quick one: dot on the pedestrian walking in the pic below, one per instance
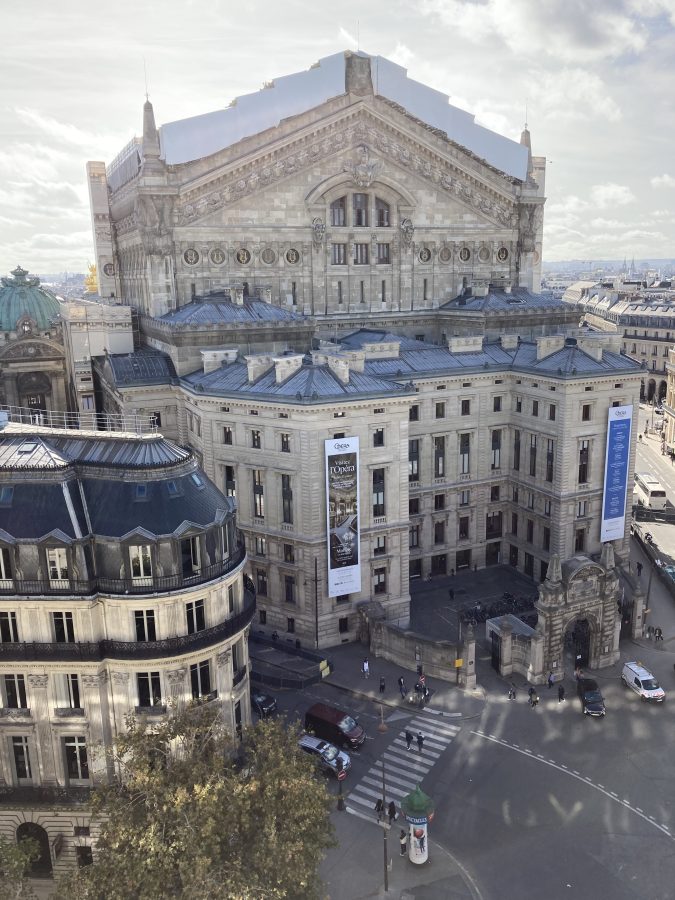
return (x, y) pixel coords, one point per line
(550, 680)
(365, 668)
(403, 842)
(535, 699)
(379, 808)
(391, 812)
(401, 687)
(561, 693)
(420, 741)
(451, 594)
(408, 738)
(638, 566)
(382, 684)
(658, 634)
(512, 691)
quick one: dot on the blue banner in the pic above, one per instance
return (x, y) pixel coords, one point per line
(617, 461)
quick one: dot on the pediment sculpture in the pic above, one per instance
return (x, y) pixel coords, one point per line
(365, 170)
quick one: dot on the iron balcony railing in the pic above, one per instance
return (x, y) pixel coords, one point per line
(95, 651)
(26, 795)
(102, 585)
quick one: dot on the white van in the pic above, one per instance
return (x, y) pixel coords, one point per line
(642, 682)
(649, 491)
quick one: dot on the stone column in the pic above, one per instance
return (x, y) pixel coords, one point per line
(98, 730)
(638, 622)
(535, 672)
(224, 687)
(39, 707)
(468, 676)
(506, 650)
(120, 700)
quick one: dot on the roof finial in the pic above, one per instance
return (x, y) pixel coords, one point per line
(526, 114)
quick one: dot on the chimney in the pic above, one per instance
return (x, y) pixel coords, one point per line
(285, 366)
(237, 294)
(509, 341)
(213, 359)
(466, 343)
(549, 344)
(339, 367)
(257, 364)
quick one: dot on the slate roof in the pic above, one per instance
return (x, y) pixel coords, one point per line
(59, 451)
(144, 366)
(222, 311)
(500, 301)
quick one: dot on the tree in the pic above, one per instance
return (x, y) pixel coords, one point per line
(189, 818)
(15, 860)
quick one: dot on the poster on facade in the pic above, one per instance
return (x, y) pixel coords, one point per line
(342, 515)
(617, 459)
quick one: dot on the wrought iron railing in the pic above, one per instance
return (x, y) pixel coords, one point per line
(102, 585)
(239, 676)
(26, 795)
(95, 651)
(81, 421)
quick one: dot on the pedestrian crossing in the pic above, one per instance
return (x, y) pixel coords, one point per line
(404, 768)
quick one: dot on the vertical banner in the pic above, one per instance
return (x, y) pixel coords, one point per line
(342, 516)
(617, 458)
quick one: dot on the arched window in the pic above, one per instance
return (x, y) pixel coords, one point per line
(382, 213)
(338, 215)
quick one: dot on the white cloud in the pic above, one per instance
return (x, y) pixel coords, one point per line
(606, 196)
(574, 93)
(660, 181)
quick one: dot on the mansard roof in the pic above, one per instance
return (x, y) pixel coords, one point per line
(143, 366)
(499, 300)
(220, 310)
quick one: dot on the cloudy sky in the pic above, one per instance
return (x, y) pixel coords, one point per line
(598, 78)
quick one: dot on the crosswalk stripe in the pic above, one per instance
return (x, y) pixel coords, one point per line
(406, 757)
(417, 765)
(356, 812)
(441, 730)
(390, 788)
(365, 790)
(431, 744)
(390, 776)
(400, 742)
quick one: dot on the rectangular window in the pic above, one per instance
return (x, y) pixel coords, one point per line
(439, 501)
(535, 407)
(190, 556)
(463, 529)
(546, 540)
(547, 507)
(440, 410)
(583, 462)
(464, 454)
(194, 612)
(343, 625)
(258, 494)
(439, 532)
(382, 212)
(286, 500)
(261, 582)
(378, 437)
(289, 553)
(149, 689)
(383, 256)
(496, 404)
(582, 509)
(380, 546)
(285, 443)
(529, 565)
(493, 525)
(339, 256)
(5, 565)
(519, 404)
(9, 633)
(425, 289)
(379, 581)
(230, 599)
(290, 625)
(516, 450)
(362, 291)
(514, 524)
(414, 536)
(414, 413)
(413, 506)
(57, 565)
(530, 531)
(361, 255)
(289, 589)
(77, 766)
(64, 631)
(144, 619)
(360, 209)
(494, 493)
(339, 291)
(21, 759)
(439, 457)
(378, 493)
(464, 498)
(227, 435)
(580, 540)
(413, 460)
(255, 440)
(515, 493)
(15, 692)
(67, 689)
(200, 679)
(261, 546)
(551, 412)
(533, 454)
(586, 412)
(262, 616)
(338, 215)
(463, 559)
(140, 562)
(549, 460)
(465, 407)
(496, 462)
(230, 484)
(530, 500)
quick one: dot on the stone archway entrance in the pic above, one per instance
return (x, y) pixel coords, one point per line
(41, 867)
(577, 644)
(651, 390)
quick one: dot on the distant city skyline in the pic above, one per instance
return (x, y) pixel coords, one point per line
(595, 79)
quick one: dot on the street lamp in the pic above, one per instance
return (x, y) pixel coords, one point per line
(382, 728)
(341, 774)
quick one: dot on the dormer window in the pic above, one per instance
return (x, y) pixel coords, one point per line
(141, 562)
(57, 565)
(26, 327)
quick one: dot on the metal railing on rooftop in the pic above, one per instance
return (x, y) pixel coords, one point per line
(80, 421)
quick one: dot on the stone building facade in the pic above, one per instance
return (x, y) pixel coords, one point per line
(121, 591)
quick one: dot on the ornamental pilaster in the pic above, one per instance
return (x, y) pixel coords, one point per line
(38, 700)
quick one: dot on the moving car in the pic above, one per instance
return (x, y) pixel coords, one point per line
(326, 755)
(592, 703)
(641, 680)
(264, 704)
(333, 724)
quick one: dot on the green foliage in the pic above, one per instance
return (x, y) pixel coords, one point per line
(15, 860)
(188, 820)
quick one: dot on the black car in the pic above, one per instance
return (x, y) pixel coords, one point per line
(263, 704)
(592, 703)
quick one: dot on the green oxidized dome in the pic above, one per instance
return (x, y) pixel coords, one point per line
(22, 299)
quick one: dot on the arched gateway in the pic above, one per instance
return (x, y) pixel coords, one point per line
(579, 619)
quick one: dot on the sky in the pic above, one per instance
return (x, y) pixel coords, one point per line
(596, 77)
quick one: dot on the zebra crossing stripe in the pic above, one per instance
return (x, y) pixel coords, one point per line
(399, 742)
(417, 765)
(391, 789)
(409, 783)
(438, 728)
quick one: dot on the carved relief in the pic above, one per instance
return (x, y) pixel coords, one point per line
(120, 677)
(38, 681)
(91, 681)
(176, 676)
(223, 658)
(318, 232)
(365, 170)
(407, 230)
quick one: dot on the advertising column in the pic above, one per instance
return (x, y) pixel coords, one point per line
(617, 458)
(342, 516)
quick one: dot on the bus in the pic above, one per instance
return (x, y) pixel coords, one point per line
(649, 491)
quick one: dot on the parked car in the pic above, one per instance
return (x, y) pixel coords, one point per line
(642, 682)
(658, 411)
(264, 704)
(333, 724)
(326, 755)
(592, 703)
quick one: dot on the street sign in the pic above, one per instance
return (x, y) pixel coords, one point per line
(459, 663)
(341, 775)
